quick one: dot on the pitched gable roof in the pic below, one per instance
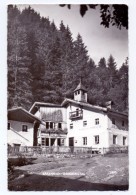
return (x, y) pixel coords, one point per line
(20, 114)
(80, 87)
(36, 105)
(84, 104)
(94, 107)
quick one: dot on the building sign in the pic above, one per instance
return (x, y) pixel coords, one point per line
(53, 135)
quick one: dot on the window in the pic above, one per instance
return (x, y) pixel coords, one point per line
(59, 125)
(77, 112)
(113, 121)
(123, 123)
(62, 142)
(43, 141)
(24, 128)
(51, 125)
(97, 121)
(71, 126)
(8, 126)
(78, 91)
(47, 125)
(114, 139)
(47, 141)
(84, 140)
(96, 139)
(84, 123)
(43, 131)
(124, 141)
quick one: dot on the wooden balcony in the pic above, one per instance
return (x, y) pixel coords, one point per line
(114, 127)
(54, 131)
(78, 114)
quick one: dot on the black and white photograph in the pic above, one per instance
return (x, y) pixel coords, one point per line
(67, 97)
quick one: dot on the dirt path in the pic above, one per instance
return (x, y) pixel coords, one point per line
(100, 173)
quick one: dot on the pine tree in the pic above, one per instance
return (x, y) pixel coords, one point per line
(91, 65)
(46, 64)
(123, 71)
(119, 93)
(102, 63)
(67, 59)
(31, 20)
(19, 76)
(81, 59)
(89, 73)
(112, 71)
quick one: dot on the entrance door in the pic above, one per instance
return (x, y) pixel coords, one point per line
(71, 141)
(47, 142)
(16, 148)
(52, 141)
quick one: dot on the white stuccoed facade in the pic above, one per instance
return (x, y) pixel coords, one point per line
(118, 130)
(73, 123)
(105, 129)
(94, 134)
(90, 130)
(22, 127)
(17, 136)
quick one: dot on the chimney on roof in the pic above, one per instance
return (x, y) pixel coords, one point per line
(109, 104)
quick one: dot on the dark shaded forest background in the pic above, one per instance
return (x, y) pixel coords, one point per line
(46, 64)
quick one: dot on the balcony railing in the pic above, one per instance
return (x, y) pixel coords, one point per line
(54, 130)
(76, 115)
(118, 128)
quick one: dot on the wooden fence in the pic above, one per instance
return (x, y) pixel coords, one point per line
(40, 150)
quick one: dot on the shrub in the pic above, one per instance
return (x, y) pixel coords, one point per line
(10, 167)
(22, 160)
(19, 161)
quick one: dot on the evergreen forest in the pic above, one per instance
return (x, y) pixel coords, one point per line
(45, 64)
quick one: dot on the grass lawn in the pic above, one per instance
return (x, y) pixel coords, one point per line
(76, 173)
